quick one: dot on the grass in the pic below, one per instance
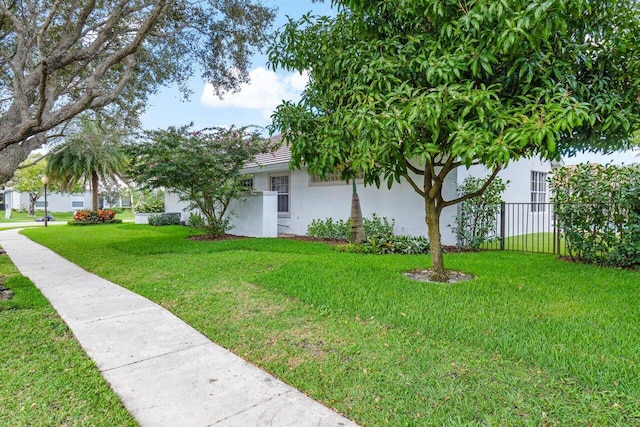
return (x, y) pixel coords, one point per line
(17, 216)
(543, 242)
(45, 377)
(530, 341)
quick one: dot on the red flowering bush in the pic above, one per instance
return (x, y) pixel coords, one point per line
(106, 214)
(81, 216)
(101, 215)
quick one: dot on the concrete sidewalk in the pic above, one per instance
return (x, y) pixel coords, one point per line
(165, 372)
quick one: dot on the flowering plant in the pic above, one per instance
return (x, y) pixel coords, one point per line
(93, 216)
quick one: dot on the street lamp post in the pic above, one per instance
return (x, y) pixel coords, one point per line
(45, 181)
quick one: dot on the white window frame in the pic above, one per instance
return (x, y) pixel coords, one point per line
(282, 214)
(538, 191)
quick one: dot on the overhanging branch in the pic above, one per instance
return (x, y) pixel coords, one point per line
(475, 193)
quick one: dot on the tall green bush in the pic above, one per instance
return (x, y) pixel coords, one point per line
(598, 210)
(476, 220)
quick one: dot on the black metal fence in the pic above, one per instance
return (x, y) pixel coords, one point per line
(526, 227)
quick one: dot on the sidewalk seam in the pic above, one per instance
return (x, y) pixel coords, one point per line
(157, 356)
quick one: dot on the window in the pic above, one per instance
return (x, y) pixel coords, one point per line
(125, 202)
(247, 184)
(280, 183)
(538, 191)
(77, 204)
(40, 204)
(331, 179)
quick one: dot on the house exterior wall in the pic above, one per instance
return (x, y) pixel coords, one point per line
(309, 201)
(57, 202)
(521, 219)
(255, 215)
(518, 173)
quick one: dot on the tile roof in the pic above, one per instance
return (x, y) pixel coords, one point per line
(281, 155)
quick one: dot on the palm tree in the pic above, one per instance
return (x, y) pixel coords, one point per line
(89, 155)
(357, 234)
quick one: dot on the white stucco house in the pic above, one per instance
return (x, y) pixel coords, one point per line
(286, 201)
(56, 202)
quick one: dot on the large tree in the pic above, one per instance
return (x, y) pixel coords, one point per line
(203, 167)
(59, 59)
(413, 90)
(90, 155)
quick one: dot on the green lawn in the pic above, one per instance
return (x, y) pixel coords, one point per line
(531, 341)
(45, 377)
(17, 216)
(533, 242)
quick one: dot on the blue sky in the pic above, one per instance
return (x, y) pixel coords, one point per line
(256, 101)
(253, 105)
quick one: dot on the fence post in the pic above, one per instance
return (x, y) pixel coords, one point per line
(502, 224)
(556, 235)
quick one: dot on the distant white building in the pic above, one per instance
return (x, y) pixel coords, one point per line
(56, 202)
(285, 201)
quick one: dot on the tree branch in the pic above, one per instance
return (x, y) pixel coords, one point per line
(475, 193)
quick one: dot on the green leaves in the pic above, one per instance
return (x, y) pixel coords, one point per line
(598, 209)
(203, 167)
(447, 84)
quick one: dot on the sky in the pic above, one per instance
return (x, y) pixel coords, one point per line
(255, 102)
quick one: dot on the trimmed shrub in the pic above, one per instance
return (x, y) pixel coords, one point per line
(94, 217)
(164, 219)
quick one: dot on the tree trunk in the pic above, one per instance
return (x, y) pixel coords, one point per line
(357, 224)
(94, 190)
(32, 205)
(432, 219)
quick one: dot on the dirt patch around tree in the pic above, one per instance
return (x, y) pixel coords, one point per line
(5, 293)
(430, 276)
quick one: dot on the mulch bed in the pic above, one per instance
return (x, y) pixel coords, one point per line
(209, 237)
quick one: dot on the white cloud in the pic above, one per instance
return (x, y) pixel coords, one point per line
(264, 92)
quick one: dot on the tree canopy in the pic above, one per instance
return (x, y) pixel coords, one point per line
(413, 90)
(202, 167)
(59, 59)
(28, 179)
(89, 155)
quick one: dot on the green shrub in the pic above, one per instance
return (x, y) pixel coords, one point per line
(476, 221)
(215, 227)
(329, 229)
(151, 206)
(378, 226)
(339, 230)
(390, 244)
(164, 219)
(598, 210)
(196, 221)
